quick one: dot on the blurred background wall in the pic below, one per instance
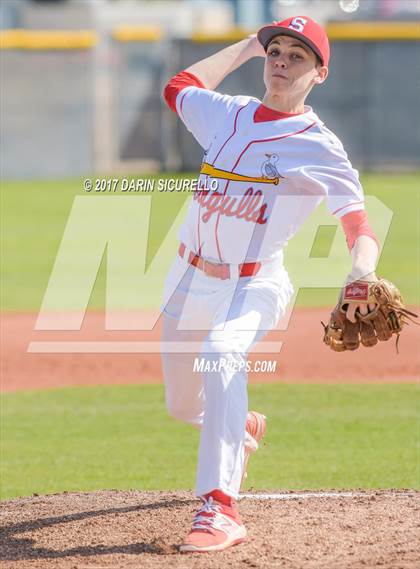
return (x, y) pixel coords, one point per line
(81, 80)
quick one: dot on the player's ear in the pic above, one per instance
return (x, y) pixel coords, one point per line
(322, 74)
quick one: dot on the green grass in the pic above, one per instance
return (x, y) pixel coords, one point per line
(35, 215)
(319, 436)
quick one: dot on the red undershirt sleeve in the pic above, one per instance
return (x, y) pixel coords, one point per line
(354, 224)
(176, 84)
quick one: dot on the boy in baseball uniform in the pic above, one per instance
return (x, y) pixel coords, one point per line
(267, 165)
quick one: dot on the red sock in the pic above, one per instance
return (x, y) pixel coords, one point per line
(221, 497)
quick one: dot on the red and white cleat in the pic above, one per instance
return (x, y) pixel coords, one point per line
(254, 432)
(215, 527)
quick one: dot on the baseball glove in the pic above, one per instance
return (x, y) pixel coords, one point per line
(387, 318)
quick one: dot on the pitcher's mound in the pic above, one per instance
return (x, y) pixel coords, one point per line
(121, 529)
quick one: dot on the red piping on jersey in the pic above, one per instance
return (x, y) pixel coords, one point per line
(181, 104)
(176, 84)
(348, 205)
(237, 162)
(198, 224)
(217, 155)
(354, 225)
(233, 133)
(217, 225)
(271, 140)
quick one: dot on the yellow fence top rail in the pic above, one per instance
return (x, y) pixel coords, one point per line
(337, 31)
(374, 31)
(87, 39)
(235, 34)
(48, 39)
(137, 33)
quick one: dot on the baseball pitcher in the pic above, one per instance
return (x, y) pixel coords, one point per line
(269, 164)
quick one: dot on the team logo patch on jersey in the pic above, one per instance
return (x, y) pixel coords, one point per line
(269, 169)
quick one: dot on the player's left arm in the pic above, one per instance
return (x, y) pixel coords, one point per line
(369, 309)
(345, 198)
(364, 250)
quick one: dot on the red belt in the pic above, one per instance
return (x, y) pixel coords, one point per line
(218, 270)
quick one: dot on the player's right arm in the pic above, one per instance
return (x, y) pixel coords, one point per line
(190, 93)
(213, 69)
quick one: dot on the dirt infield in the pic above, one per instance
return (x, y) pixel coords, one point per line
(303, 357)
(135, 529)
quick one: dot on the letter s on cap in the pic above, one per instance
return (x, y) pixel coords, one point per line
(298, 24)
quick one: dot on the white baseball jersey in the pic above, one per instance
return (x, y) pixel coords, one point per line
(260, 180)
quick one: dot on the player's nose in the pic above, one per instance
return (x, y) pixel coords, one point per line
(280, 63)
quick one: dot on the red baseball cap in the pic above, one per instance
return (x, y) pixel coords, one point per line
(303, 28)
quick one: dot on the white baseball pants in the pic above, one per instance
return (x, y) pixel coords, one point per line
(219, 321)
